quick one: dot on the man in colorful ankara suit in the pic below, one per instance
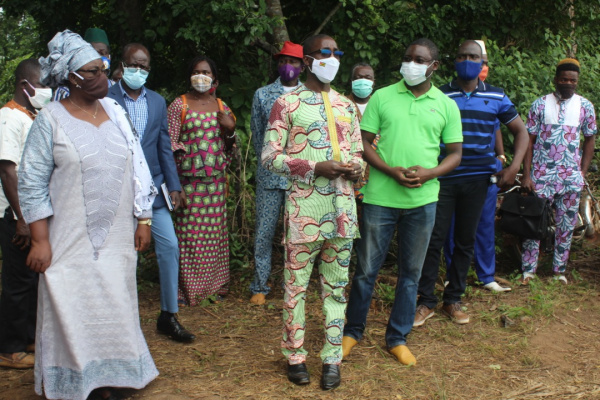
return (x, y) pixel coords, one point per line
(313, 139)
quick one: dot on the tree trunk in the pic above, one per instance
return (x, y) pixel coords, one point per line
(573, 50)
(280, 32)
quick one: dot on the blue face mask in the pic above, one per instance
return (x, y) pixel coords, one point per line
(134, 78)
(467, 70)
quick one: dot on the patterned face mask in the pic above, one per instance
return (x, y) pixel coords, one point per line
(201, 83)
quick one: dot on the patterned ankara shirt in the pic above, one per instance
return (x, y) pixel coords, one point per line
(137, 110)
(297, 138)
(263, 101)
(557, 125)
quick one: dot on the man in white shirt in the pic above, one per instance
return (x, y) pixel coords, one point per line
(19, 284)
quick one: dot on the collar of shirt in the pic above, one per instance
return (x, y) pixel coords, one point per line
(124, 93)
(481, 87)
(278, 86)
(431, 93)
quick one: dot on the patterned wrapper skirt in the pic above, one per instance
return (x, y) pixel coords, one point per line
(203, 240)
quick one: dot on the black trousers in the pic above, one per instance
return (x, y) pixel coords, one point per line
(465, 201)
(18, 301)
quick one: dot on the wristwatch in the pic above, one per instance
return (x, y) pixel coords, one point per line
(145, 222)
(502, 158)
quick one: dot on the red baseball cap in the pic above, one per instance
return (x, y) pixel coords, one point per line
(290, 49)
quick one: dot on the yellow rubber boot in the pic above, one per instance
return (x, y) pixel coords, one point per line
(347, 344)
(403, 355)
(258, 299)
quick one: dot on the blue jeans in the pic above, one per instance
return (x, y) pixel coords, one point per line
(377, 230)
(167, 255)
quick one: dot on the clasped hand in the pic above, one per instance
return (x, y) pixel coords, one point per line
(412, 177)
(334, 169)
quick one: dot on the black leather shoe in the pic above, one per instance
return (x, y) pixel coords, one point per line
(331, 376)
(298, 374)
(168, 325)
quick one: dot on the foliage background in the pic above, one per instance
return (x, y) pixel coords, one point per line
(524, 39)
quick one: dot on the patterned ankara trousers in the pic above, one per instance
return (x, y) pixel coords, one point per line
(333, 275)
(566, 206)
(269, 203)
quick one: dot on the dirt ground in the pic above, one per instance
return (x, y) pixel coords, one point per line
(538, 342)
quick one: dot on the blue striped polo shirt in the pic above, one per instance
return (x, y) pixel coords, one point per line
(479, 113)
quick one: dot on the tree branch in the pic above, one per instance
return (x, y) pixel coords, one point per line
(263, 44)
(327, 18)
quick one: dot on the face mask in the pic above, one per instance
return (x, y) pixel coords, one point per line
(467, 70)
(362, 88)
(484, 73)
(41, 97)
(414, 73)
(565, 91)
(325, 69)
(201, 83)
(288, 72)
(96, 87)
(135, 78)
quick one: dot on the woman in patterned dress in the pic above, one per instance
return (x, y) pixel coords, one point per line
(202, 132)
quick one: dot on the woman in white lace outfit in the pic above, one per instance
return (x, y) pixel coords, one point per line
(87, 193)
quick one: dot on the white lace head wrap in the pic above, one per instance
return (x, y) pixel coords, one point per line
(68, 53)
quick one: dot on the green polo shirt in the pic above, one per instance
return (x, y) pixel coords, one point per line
(411, 130)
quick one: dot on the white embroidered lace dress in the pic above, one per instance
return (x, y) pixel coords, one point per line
(88, 330)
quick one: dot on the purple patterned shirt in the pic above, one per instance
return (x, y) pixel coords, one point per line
(558, 125)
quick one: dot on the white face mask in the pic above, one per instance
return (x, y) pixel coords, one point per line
(41, 97)
(325, 69)
(414, 73)
(201, 83)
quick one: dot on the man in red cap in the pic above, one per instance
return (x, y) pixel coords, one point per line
(270, 188)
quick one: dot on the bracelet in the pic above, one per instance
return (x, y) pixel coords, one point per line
(145, 222)
(502, 158)
(232, 136)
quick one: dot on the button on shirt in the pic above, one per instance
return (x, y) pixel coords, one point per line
(137, 110)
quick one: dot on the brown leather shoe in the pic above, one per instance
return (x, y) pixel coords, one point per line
(422, 314)
(455, 312)
(20, 360)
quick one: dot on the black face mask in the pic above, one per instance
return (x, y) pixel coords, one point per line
(96, 87)
(566, 91)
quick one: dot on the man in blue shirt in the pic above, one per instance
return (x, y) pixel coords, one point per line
(148, 112)
(270, 188)
(463, 190)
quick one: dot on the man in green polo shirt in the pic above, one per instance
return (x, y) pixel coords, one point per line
(412, 117)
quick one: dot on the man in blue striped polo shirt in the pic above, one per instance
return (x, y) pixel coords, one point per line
(463, 190)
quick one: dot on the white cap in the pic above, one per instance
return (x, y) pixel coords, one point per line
(480, 43)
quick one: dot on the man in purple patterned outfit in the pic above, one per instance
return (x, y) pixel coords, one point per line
(552, 166)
